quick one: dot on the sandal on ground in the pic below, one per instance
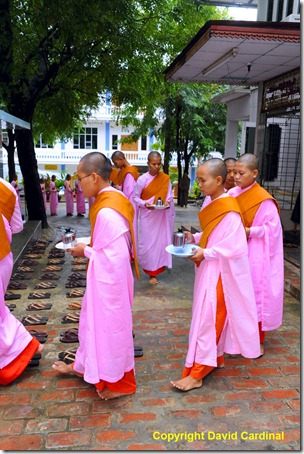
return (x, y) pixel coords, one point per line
(38, 295)
(28, 262)
(55, 261)
(16, 286)
(76, 276)
(53, 268)
(50, 277)
(67, 356)
(138, 353)
(45, 285)
(12, 296)
(22, 277)
(70, 318)
(69, 338)
(76, 305)
(39, 306)
(25, 269)
(33, 363)
(33, 256)
(78, 260)
(75, 293)
(79, 268)
(34, 320)
(11, 306)
(35, 332)
(74, 284)
(138, 347)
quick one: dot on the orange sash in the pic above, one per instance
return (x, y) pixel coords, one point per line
(210, 216)
(250, 201)
(123, 173)
(158, 187)
(113, 175)
(7, 206)
(119, 203)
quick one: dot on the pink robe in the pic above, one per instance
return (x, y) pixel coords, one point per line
(80, 200)
(155, 228)
(69, 197)
(53, 198)
(14, 337)
(127, 188)
(43, 190)
(226, 254)
(266, 258)
(106, 349)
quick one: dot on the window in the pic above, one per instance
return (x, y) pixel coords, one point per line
(41, 144)
(86, 138)
(114, 142)
(144, 142)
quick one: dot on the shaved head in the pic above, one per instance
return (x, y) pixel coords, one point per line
(154, 154)
(96, 162)
(250, 160)
(217, 168)
(229, 160)
(117, 155)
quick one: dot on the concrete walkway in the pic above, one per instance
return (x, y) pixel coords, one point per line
(248, 405)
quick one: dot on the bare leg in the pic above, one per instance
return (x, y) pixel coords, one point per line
(187, 383)
(106, 394)
(40, 348)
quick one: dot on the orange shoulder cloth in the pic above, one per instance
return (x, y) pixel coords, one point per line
(7, 201)
(250, 201)
(123, 173)
(119, 203)
(113, 175)
(158, 188)
(210, 216)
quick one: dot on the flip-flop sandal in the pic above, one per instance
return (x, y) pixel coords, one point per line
(39, 306)
(28, 262)
(70, 330)
(12, 296)
(75, 293)
(138, 347)
(53, 268)
(50, 277)
(79, 260)
(76, 276)
(33, 363)
(34, 320)
(33, 256)
(11, 306)
(79, 268)
(25, 269)
(76, 305)
(138, 353)
(74, 284)
(56, 262)
(69, 358)
(45, 285)
(38, 295)
(69, 338)
(70, 318)
(34, 332)
(69, 351)
(16, 286)
(22, 277)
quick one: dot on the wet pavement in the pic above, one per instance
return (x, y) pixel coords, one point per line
(248, 405)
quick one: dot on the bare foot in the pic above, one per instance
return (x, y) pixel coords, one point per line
(221, 366)
(63, 368)
(40, 348)
(187, 383)
(153, 280)
(262, 349)
(106, 394)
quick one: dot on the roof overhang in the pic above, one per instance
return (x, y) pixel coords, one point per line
(238, 53)
(13, 122)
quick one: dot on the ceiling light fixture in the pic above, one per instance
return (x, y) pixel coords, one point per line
(220, 62)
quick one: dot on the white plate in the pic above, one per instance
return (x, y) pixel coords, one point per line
(85, 239)
(159, 207)
(186, 251)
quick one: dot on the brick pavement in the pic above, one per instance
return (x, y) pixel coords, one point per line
(46, 411)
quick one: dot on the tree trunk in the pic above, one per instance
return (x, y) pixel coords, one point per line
(11, 154)
(29, 169)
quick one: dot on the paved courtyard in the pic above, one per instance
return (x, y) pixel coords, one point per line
(249, 405)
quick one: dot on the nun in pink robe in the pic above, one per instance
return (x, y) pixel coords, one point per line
(69, 196)
(128, 190)
(80, 200)
(14, 337)
(226, 254)
(106, 349)
(266, 259)
(53, 197)
(155, 228)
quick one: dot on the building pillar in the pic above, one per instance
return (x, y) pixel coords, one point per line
(231, 140)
